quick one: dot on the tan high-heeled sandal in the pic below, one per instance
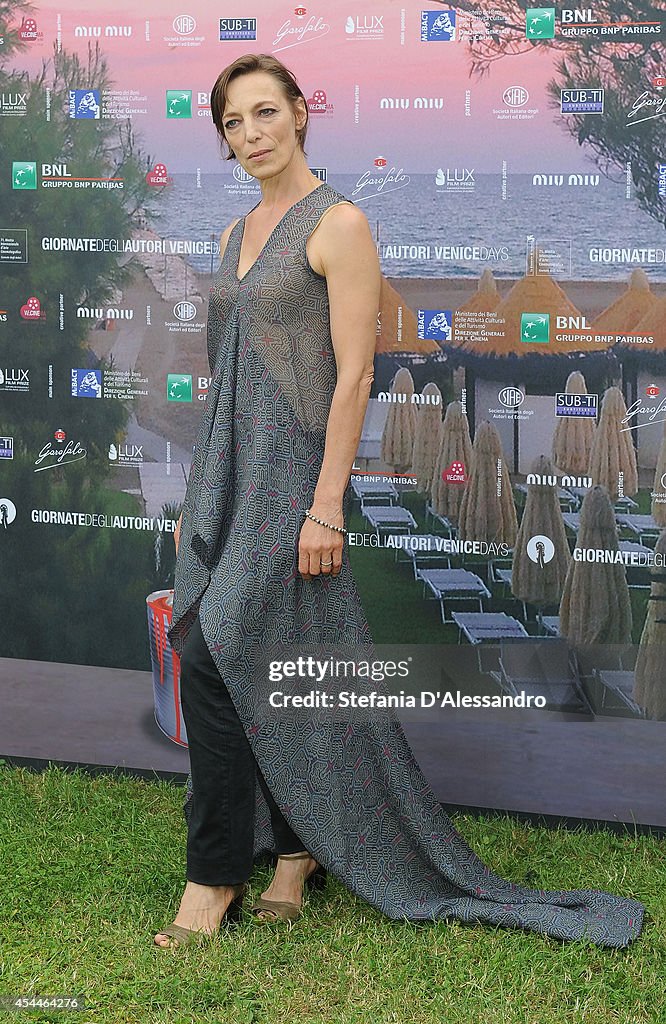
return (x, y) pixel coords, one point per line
(285, 910)
(184, 935)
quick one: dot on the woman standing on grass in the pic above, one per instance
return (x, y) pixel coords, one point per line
(262, 560)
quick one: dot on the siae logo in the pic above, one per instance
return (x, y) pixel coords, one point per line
(515, 96)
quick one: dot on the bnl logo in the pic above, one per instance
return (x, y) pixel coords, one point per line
(178, 103)
(540, 23)
(85, 104)
(535, 328)
(438, 26)
(24, 175)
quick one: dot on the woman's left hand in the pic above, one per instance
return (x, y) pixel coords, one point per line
(319, 545)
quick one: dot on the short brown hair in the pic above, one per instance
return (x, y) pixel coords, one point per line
(244, 66)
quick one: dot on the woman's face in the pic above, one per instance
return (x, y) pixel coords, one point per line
(258, 117)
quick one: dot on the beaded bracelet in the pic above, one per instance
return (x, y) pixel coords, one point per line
(340, 529)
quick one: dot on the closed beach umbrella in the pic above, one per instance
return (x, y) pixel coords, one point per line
(659, 485)
(572, 442)
(650, 681)
(454, 461)
(485, 514)
(595, 606)
(541, 557)
(398, 433)
(629, 309)
(427, 436)
(612, 448)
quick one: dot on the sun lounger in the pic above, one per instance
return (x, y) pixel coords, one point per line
(374, 490)
(423, 549)
(616, 689)
(543, 668)
(485, 627)
(445, 523)
(550, 623)
(641, 526)
(568, 501)
(571, 521)
(453, 585)
(389, 519)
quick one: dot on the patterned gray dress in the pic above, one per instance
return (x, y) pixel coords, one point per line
(348, 784)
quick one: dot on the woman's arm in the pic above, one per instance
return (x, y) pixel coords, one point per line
(348, 256)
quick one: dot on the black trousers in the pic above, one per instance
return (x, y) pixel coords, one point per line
(220, 837)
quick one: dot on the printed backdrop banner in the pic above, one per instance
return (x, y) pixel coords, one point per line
(510, 483)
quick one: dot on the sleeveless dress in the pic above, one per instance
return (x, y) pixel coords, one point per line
(348, 785)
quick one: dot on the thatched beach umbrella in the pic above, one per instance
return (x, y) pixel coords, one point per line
(654, 323)
(572, 442)
(541, 555)
(595, 607)
(649, 680)
(398, 433)
(540, 295)
(398, 326)
(488, 510)
(485, 299)
(659, 486)
(612, 448)
(427, 437)
(629, 309)
(455, 450)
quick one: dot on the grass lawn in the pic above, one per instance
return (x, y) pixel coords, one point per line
(94, 866)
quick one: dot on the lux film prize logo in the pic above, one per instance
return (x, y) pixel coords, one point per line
(535, 328)
(540, 23)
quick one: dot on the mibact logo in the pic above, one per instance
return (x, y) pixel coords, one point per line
(86, 383)
(438, 26)
(85, 104)
(435, 324)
